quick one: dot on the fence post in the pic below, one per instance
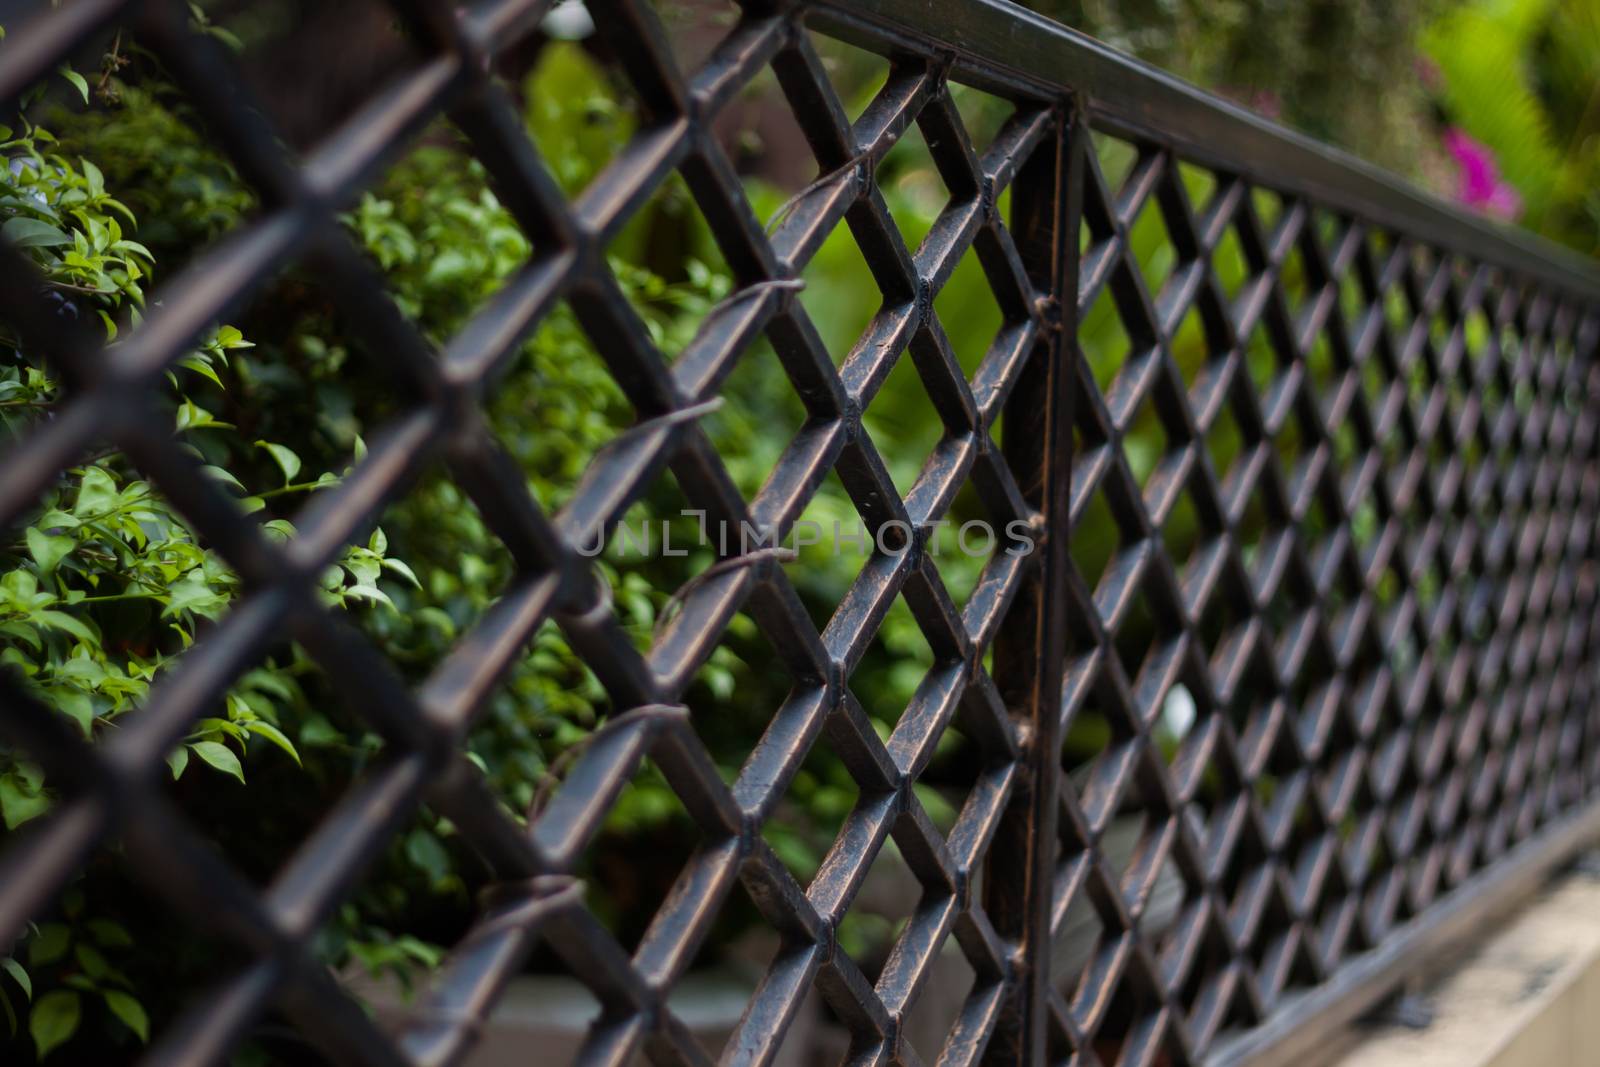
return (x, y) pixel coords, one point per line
(1029, 662)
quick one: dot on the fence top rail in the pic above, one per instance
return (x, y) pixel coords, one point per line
(1001, 44)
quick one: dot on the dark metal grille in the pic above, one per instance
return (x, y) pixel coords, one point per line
(1386, 619)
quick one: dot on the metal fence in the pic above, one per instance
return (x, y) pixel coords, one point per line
(1387, 625)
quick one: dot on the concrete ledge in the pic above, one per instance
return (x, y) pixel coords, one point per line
(1526, 993)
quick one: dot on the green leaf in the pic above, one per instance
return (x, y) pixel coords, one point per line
(76, 705)
(109, 933)
(319, 731)
(82, 85)
(219, 756)
(369, 592)
(193, 594)
(133, 246)
(83, 671)
(94, 965)
(31, 774)
(287, 461)
(364, 567)
(18, 803)
(403, 569)
(275, 735)
(20, 587)
(178, 761)
(199, 366)
(60, 620)
(130, 1011)
(24, 232)
(18, 975)
(428, 854)
(282, 530)
(22, 632)
(224, 477)
(49, 944)
(230, 337)
(54, 1019)
(48, 549)
(91, 174)
(424, 953)
(192, 416)
(97, 493)
(11, 655)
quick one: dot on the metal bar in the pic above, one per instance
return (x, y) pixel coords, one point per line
(1305, 1022)
(1031, 644)
(1066, 214)
(1337, 496)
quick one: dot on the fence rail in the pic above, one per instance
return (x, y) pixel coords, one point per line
(1386, 622)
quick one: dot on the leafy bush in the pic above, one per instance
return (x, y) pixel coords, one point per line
(106, 586)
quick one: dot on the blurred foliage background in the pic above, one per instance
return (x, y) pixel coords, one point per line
(112, 191)
(1341, 70)
(1387, 79)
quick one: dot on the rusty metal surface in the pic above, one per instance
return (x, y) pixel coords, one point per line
(1386, 623)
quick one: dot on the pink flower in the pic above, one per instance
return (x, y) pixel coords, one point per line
(1478, 182)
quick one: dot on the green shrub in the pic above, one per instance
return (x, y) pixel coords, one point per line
(106, 586)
